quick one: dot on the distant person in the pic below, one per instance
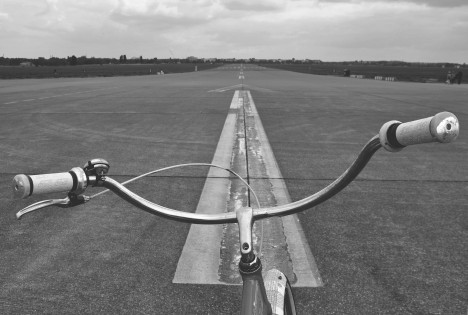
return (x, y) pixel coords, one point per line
(458, 77)
(449, 77)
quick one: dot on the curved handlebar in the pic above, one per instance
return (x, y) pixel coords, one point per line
(393, 135)
(230, 217)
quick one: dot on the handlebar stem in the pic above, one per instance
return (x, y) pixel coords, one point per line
(245, 221)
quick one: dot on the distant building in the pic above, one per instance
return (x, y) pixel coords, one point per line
(212, 60)
(26, 64)
(315, 61)
(192, 58)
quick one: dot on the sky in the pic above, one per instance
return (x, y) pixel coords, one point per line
(329, 30)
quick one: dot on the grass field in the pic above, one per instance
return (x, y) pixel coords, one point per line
(109, 70)
(392, 242)
(401, 73)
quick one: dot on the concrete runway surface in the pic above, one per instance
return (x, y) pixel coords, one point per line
(393, 242)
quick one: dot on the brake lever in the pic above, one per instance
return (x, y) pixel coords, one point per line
(70, 201)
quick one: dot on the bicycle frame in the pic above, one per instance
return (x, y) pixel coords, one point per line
(254, 298)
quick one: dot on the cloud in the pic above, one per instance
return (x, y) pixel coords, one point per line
(432, 3)
(258, 5)
(337, 31)
(148, 8)
(445, 3)
(50, 6)
(316, 29)
(195, 9)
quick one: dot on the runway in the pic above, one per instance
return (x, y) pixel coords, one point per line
(392, 242)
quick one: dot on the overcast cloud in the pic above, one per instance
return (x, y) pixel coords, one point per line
(418, 30)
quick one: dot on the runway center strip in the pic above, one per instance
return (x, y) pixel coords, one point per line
(211, 253)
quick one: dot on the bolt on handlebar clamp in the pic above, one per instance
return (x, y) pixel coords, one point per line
(96, 170)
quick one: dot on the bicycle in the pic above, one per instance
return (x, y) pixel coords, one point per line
(269, 294)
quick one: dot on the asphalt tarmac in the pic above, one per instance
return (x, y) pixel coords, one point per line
(393, 242)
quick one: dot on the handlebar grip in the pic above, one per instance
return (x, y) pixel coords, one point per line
(443, 127)
(27, 185)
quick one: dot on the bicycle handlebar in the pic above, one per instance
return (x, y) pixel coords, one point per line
(393, 135)
(443, 127)
(230, 217)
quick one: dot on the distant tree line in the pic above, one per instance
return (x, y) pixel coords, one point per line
(84, 60)
(390, 63)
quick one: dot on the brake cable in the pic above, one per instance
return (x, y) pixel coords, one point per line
(198, 164)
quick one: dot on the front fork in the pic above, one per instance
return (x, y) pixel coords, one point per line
(254, 297)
